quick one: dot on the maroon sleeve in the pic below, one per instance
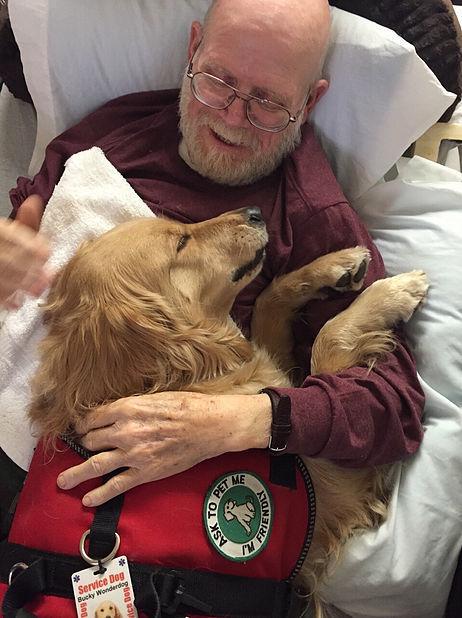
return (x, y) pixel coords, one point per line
(110, 122)
(357, 417)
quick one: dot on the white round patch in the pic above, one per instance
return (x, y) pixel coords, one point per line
(238, 515)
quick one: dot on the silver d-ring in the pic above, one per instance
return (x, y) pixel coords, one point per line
(92, 561)
(19, 565)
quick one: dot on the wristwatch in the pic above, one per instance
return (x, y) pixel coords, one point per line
(281, 425)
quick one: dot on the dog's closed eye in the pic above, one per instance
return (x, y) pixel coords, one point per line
(182, 242)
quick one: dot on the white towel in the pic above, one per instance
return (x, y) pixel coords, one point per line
(91, 198)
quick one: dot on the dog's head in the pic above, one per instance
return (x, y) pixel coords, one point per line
(137, 310)
(107, 609)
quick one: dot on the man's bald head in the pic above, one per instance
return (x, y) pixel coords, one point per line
(254, 66)
(302, 26)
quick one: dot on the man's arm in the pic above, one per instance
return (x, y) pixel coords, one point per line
(359, 416)
(110, 122)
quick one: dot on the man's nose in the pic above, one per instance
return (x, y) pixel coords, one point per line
(235, 114)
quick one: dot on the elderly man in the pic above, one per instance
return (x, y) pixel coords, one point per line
(253, 77)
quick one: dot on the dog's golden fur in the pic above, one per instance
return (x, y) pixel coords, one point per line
(145, 308)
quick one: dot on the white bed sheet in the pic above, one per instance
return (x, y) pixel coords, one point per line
(405, 568)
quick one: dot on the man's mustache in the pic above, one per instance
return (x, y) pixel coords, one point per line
(243, 137)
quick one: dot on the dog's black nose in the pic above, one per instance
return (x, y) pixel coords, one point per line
(254, 216)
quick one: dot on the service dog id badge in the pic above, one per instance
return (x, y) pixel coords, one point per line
(106, 594)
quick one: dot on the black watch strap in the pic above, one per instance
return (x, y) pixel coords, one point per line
(281, 425)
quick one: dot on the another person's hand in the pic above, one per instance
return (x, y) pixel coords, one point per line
(158, 435)
(23, 254)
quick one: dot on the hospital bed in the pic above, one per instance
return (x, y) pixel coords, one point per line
(392, 67)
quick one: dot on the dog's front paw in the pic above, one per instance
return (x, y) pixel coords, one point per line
(340, 271)
(388, 301)
(348, 269)
(406, 292)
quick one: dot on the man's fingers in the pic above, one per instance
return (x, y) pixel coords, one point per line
(30, 212)
(14, 301)
(33, 285)
(96, 466)
(39, 285)
(99, 439)
(114, 487)
(36, 279)
(23, 255)
(32, 245)
(103, 416)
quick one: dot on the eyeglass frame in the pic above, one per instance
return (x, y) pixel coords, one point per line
(244, 96)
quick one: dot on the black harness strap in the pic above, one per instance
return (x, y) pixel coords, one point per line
(102, 532)
(158, 591)
(24, 588)
(283, 471)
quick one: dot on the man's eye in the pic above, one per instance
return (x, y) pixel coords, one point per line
(182, 243)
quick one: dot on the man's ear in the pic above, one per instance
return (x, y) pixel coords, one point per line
(195, 37)
(318, 90)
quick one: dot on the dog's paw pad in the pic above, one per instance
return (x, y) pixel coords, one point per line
(344, 281)
(353, 276)
(331, 275)
(361, 272)
(351, 265)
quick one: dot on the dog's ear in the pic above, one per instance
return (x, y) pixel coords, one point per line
(97, 349)
(117, 613)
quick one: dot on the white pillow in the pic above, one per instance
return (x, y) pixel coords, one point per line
(78, 55)
(381, 99)
(416, 222)
(405, 568)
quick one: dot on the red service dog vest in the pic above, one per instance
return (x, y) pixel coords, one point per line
(226, 515)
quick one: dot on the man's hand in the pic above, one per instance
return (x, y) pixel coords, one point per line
(156, 436)
(23, 254)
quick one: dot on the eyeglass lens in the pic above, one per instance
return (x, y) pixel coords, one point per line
(215, 93)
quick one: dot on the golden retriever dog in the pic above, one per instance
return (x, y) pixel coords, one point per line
(107, 609)
(145, 308)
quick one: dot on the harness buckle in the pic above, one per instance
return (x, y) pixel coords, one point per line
(173, 593)
(19, 565)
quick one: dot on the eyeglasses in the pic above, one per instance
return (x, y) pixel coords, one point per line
(217, 94)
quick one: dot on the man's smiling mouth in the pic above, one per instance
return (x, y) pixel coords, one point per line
(226, 141)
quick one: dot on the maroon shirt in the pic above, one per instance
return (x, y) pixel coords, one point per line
(354, 418)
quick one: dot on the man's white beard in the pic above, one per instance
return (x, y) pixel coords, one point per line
(225, 168)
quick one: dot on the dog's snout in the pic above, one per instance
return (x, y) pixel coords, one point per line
(254, 216)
